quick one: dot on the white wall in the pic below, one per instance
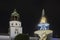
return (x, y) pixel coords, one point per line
(4, 37)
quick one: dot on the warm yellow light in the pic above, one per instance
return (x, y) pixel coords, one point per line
(43, 34)
(43, 20)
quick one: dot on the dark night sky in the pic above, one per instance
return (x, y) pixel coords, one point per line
(30, 11)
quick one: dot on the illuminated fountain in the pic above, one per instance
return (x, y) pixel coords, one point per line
(43, 28)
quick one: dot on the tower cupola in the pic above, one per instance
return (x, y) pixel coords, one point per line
(15, 15)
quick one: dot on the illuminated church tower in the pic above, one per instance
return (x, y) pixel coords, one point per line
(15, 24)
(43, 28)
(43, 25)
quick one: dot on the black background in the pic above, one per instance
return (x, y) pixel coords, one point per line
(30, 13)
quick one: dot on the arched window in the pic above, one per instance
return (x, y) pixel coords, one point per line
(16, 17)
(12, 24)
(16, 31)
(16, 23)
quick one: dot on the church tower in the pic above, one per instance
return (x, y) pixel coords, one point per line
(43, 28)
(43, 25)
(15, 24)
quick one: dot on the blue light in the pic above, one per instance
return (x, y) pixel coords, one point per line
(43, 26)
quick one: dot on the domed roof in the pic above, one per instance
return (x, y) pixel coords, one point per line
(15, 13)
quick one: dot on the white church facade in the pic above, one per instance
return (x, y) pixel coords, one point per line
(15, 27)
(15, 24)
